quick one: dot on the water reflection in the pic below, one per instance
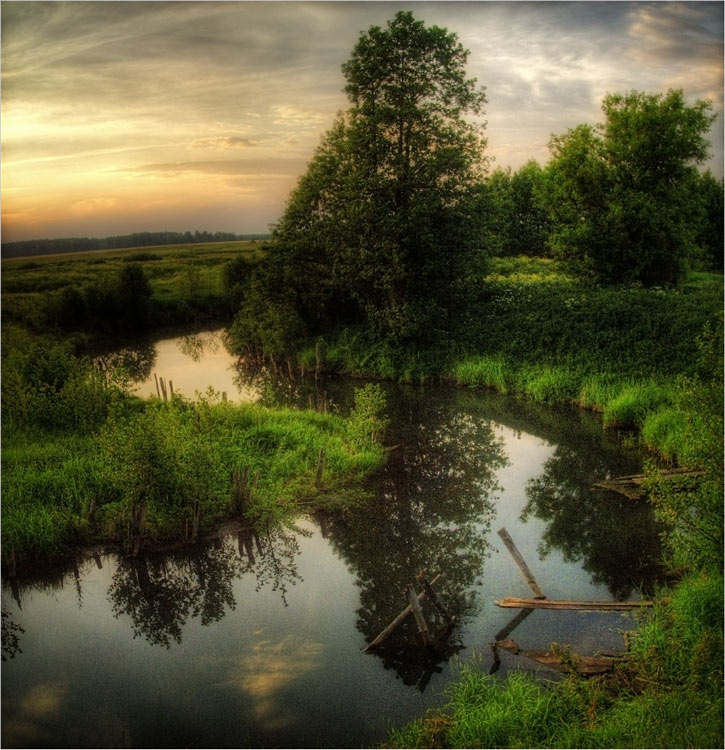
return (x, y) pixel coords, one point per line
(160, 593)
(613, 538)
(11, 632)
(433, 509)
(196, 345)
(137, 362)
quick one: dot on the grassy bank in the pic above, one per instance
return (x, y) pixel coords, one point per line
(531, 329)
(668, 693)
(83, 461)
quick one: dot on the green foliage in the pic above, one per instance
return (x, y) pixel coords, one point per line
(710, 233)
(120, 292)
(623, 195)
(386, 219)
(517, 217)
(367, 421)
(632, 405)
(693, 433)
(236, 277)
(44, 384)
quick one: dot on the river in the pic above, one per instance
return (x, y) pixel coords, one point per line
(257, 639)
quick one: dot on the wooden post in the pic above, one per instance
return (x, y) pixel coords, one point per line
(158, 392)
(418, 614)
(318, 359)
(195, 521)
(224, 396)
(523, 567)
(171, 387)
(449, 618)
(320, 468)
(396, 623)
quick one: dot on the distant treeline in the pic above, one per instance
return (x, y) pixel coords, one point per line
(137, 239)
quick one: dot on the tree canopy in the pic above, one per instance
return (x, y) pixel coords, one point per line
(385, 221)
(624, 194)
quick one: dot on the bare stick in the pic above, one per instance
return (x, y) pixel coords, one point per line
(396, 623)
(418, 614)
(519, 560)
(449, 618)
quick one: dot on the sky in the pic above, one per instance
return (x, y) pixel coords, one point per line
(120, 117)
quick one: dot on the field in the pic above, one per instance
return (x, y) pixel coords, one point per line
(186, 282)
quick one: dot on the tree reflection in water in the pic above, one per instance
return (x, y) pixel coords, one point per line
(160, 593)
(136, 361)
(613, 538)
(195, 345)
(432, 512)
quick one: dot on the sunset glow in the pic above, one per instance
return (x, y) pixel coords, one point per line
(131, 116)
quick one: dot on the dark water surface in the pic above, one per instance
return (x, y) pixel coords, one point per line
(256, 640)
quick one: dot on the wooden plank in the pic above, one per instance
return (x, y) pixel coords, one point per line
(397, 622)
(418, 614)
(513, 601)
(519, 560)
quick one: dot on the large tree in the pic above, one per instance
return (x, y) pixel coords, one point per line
(383, 224)
(622, 193)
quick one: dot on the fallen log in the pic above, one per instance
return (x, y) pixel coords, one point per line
(513, 601)
(631, 485)
(397, 622)
(585, 665)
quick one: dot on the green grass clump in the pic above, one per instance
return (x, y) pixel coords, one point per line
(663, 431)
(488, 372)
(549, 384)
(631, 406)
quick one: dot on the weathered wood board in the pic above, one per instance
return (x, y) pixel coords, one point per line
(513, 601)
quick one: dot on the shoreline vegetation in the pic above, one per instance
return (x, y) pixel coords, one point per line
(75, 450)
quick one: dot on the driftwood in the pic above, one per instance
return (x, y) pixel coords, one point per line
(585, 665)
(519, 560)
(418, 614)
(631, 485)
(397, 622)
(449, 618)
(512, 601)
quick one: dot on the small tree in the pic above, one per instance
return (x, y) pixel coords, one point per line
(621, 193)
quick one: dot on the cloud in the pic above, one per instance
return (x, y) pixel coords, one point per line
(248, 168)
(89, 89)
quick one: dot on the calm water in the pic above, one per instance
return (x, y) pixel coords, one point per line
(256, 640)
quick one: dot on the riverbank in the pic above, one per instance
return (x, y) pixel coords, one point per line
(83, 461)
(655, 368)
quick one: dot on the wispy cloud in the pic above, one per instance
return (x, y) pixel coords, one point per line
(240, 92)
